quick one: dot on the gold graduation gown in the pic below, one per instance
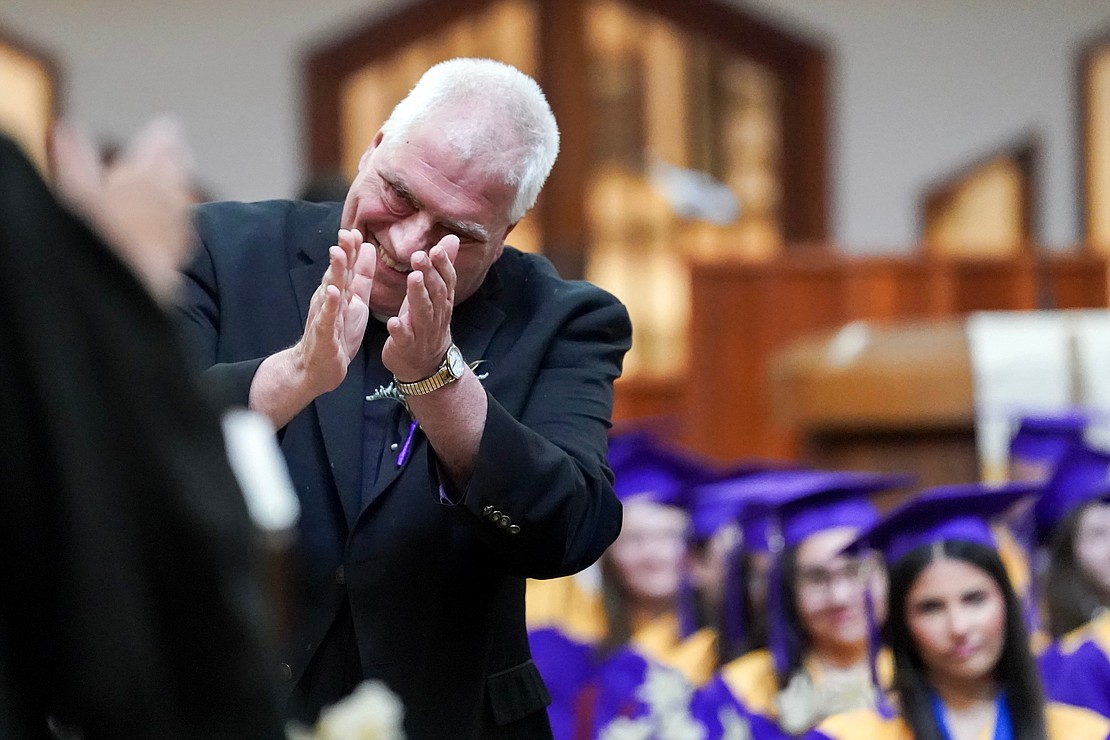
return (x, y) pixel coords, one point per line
(1063, 723)
(753, 680)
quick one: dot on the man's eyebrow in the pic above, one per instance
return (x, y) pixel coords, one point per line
(473, 231)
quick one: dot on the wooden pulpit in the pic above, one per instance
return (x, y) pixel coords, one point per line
(892, 397)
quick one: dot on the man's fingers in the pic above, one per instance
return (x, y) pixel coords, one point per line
(439, 279)
(450, 246)
(337, 265)
(365, 264)
(349, 242)
(421, 311)
(329, 311)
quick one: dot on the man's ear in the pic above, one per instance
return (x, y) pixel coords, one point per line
(369, 150)
(501, 246)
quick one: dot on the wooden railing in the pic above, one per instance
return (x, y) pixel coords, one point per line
(745, 313)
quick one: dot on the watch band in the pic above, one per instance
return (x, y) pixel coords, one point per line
(433, 382)
(445, 375)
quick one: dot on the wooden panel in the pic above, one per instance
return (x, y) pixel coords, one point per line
(1074, 282)
(648, 398)
(743, 313)
(1093, 83)
(995, 285)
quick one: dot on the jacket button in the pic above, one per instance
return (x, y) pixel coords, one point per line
(286, 672)
(340, 575)
(514, 529)
(504, 521)
(494, 516)
(488, 510)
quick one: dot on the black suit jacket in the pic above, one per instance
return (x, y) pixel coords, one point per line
(128, 603)
(436, 591)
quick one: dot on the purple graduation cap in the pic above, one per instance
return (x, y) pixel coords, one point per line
(953, 512)
(802, 503)
(1041, 441)
(646, 470)
(1082, 475)
(731, 499)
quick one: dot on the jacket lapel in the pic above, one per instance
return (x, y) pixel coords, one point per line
(473, 326)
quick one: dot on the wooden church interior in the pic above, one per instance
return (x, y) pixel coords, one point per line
(733, 306)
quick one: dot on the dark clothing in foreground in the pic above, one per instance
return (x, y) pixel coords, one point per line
(128, 601)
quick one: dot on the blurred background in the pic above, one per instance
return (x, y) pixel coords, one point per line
(807, 206)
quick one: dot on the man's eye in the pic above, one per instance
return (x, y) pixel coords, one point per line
(394, 200)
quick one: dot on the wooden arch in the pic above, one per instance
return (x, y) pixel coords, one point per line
(29, 101)
(801, 64)
(1093, 94)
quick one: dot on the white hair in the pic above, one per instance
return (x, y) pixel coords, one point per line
(496, 113)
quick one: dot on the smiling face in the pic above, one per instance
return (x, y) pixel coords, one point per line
(830, 589)
(413, 191)
(1092, 545)
(956, 615)
(649, 554)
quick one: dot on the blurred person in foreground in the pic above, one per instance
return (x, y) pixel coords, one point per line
(129, 604)
(430, 486)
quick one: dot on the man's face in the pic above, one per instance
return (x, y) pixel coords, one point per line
(413, 191)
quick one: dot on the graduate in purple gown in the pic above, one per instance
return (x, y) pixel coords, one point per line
(1073, 525)
(817, 661)
(653, 655)
(638, 666)
(963, 667)
(1041, 441)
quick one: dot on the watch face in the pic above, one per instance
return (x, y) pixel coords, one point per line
(455, 362)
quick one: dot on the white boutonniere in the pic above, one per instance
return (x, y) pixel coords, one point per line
(370, 712)
(666, 694)
(390, 392)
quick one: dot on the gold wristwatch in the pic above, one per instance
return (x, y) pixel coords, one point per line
(450, 370)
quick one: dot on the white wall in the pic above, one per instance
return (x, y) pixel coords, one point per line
(919, 86)
(922, 86)
(230, 69)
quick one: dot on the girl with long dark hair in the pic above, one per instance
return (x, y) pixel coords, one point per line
(963, 667)
(817, 661)
(1073, 525)
(646, 634)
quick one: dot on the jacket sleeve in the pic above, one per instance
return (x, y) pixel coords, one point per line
(541, 495)
(226, 383)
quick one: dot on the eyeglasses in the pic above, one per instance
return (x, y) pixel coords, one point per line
(819, 580)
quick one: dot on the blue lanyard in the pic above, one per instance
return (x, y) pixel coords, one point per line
(1003, 723)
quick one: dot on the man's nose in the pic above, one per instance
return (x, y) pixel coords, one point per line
(410, 235)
